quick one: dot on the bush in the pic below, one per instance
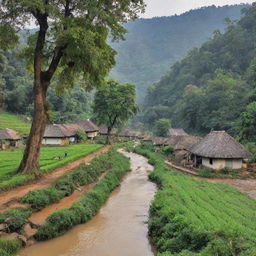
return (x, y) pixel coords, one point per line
(206, 172)
(15, 218)
(225, 170)
(167, 150)
(81, 136)
(40, 198)
(9, 247)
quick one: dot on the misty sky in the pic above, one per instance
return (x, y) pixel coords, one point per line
(171, 7)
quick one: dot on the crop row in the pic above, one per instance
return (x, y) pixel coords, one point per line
(193, 217)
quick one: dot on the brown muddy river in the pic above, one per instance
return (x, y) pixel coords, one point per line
(119, 229)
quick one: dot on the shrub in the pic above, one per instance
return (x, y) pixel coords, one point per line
(167, 150)
(81, 136)
(40, 198)
(9, 247)
(206, 172)
(15, 218)
(225, 170)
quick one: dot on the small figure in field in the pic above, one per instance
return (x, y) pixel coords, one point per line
(66, 154)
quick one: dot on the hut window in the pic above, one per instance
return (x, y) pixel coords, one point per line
(211, 161)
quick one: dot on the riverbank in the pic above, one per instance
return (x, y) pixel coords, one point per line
(193, 217)
(120, 226)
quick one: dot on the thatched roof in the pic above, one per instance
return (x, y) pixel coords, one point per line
(61, 130)
(159, 141)
(88, 126)
(130, 133)
(219, 144)
(104, 130)
(182, 142)
(176, 132)
(9, 134)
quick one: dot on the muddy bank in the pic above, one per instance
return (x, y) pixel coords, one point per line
(118, 229)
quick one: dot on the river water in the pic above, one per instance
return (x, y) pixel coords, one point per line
(119, 229)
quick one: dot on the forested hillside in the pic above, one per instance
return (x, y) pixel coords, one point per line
(213, 87)
(153, 45)
(16, 92)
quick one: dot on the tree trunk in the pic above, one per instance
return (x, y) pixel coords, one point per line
(30, 161)
(108, 136)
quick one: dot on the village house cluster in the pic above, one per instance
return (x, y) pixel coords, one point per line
(217, 150)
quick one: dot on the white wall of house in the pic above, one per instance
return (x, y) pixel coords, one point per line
(91, 134)
(218, 164)
(52, 141)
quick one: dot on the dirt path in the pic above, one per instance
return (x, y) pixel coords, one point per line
(10, 197)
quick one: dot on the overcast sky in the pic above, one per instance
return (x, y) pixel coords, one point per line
(171, 7)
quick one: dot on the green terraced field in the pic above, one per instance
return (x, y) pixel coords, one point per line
(9, 161)
(11, 121)
(193, 217)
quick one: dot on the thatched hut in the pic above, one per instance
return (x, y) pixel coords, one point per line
(176, 132)
(60, 134)
(10, 138)
(91, 129)
(219, 150)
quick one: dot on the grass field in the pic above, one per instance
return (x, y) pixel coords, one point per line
(9, 161)
(12, 121)
(192, 217)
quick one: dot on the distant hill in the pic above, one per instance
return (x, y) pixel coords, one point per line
(12, 121)
(213, 87)
(153, 45)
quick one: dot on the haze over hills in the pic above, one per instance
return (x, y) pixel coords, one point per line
(153, 45)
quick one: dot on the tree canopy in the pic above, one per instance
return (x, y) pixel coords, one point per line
(114, 104)
(70, 44)
(212, 85)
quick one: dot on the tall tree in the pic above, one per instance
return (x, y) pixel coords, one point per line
(114, 104)
(162, 126)
(71, 42)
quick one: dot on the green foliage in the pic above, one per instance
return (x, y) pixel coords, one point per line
(8, 176)
(212, 85)
(15, 218)
(11, 121)
(247, 123)
(9, 247)
(82, 211)
(152, 45)
(114, 104)
(167, 150)
(38, 199)
(193, 217)
(81, 136)
(161, 127)
(206, 172)
(65, 186)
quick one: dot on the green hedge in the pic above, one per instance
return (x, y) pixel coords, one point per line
(15, 218)
(82, 211)
(9, 247)
(65, 186)
(193, 217)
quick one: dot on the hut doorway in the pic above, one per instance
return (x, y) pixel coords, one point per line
(199, 161)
